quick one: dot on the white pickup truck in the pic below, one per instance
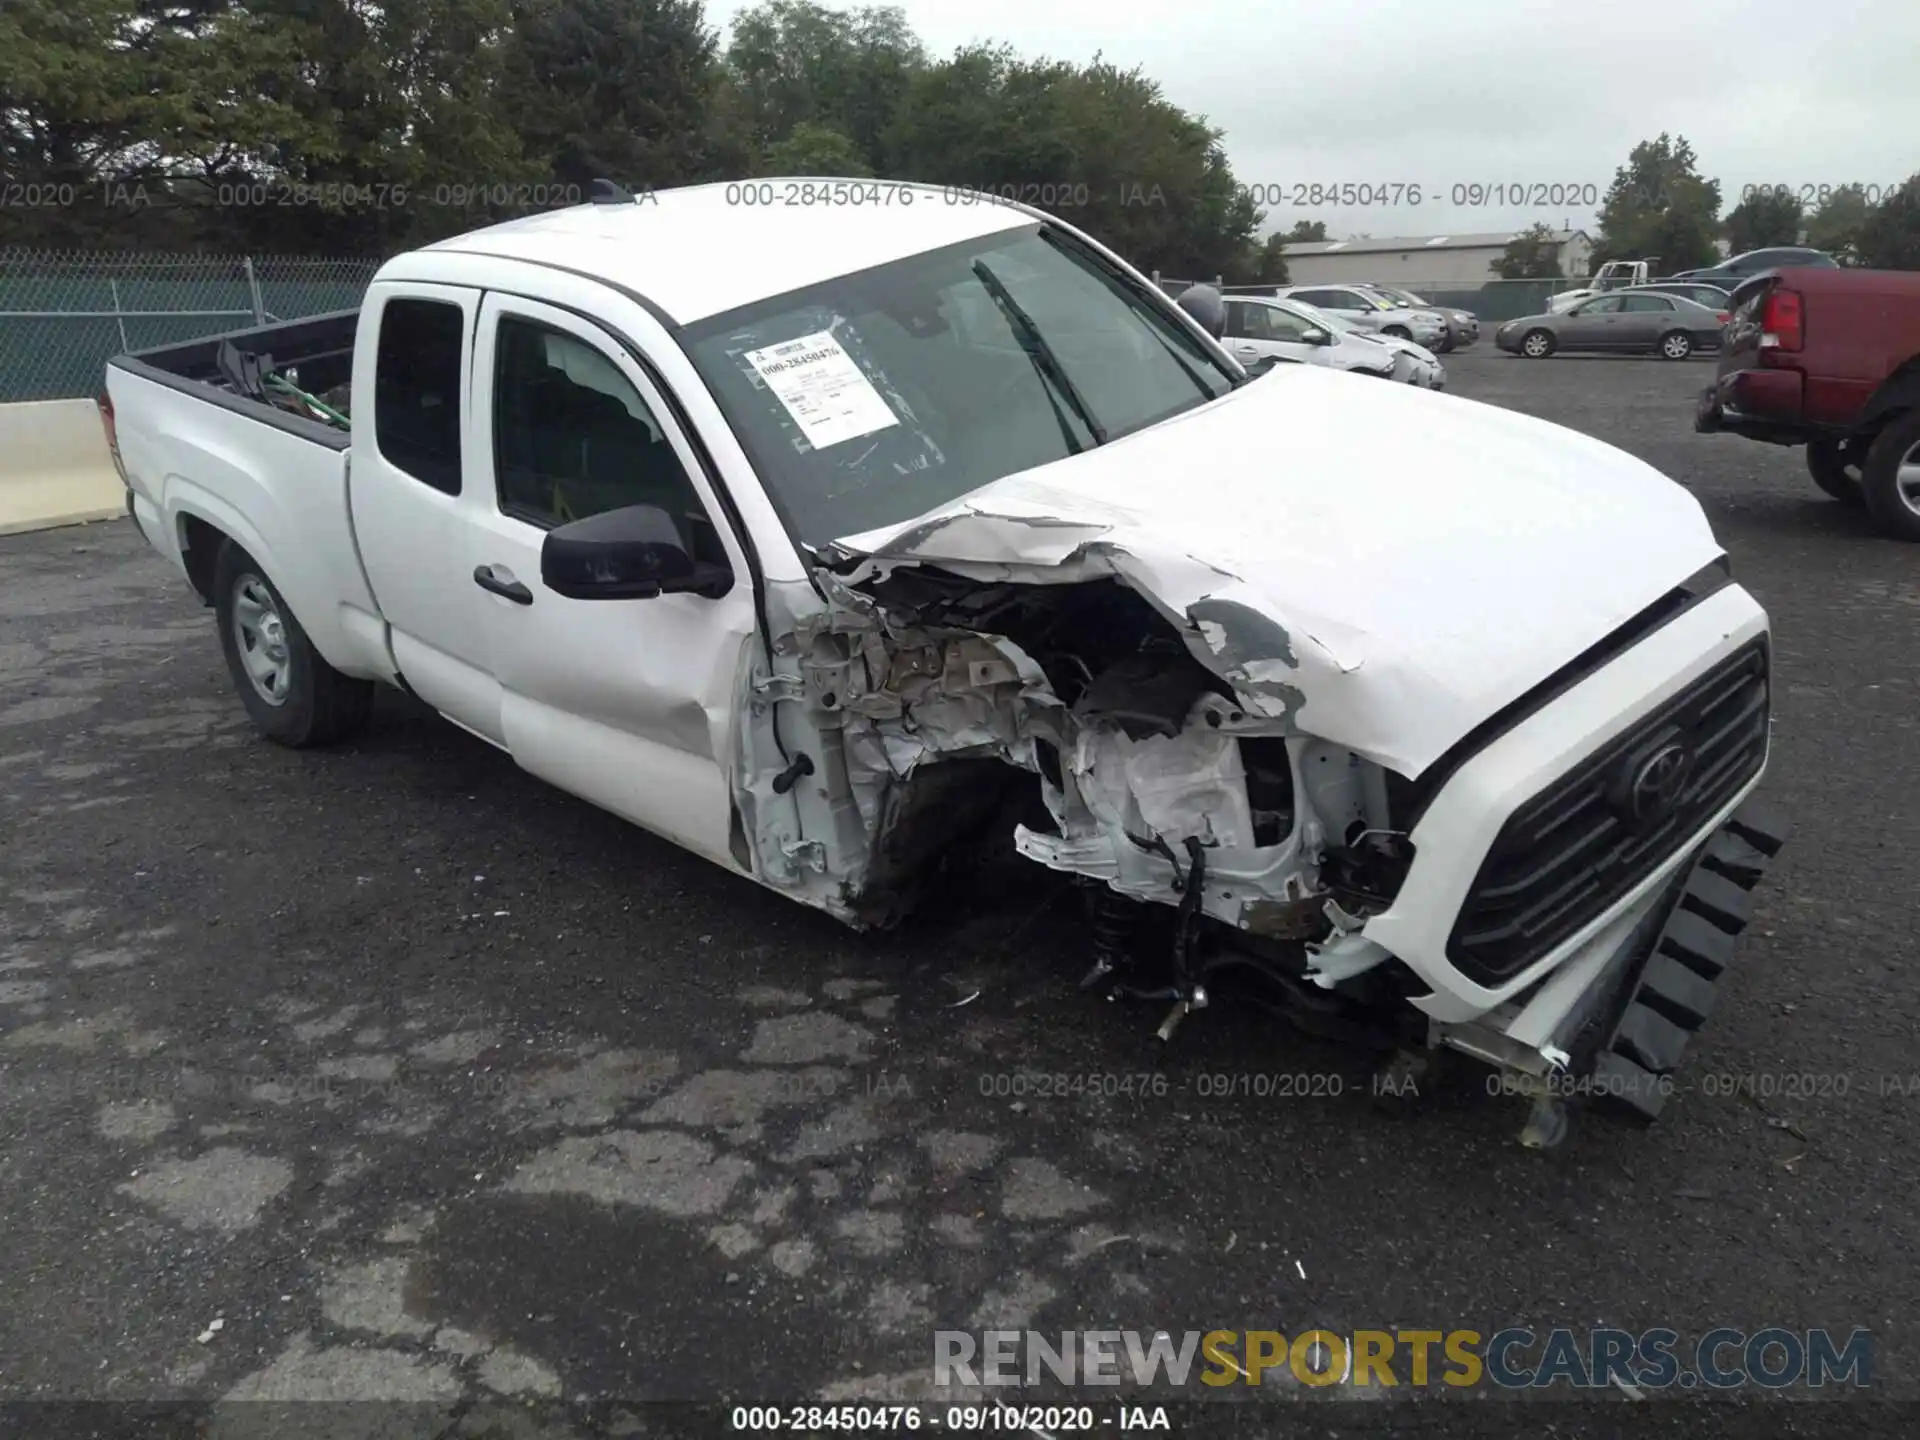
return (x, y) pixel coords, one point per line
(821, 537)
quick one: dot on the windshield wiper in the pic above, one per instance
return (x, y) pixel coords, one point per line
(1124, 292)
(1041, 353)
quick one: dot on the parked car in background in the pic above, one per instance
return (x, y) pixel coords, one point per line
(1261, 333)
(1830, 359)
(1413, 363)
(1626, 322)
(1370, 312)
(1698, 291)
(1463, 326)
(1730, 273)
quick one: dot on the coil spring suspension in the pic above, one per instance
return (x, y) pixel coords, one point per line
(1110, 921)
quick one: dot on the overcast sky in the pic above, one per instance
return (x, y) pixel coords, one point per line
(1471, 92)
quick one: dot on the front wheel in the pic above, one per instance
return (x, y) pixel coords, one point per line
(1537, 345)
(1836, 470)
(1398, 332)
(292, 694)
(1890, 478)
(1676, 345)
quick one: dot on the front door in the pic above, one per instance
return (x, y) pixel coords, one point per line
(1592, 325)
(1258, 334)
(627, 703)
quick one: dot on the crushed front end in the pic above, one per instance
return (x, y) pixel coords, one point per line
(1557, 895)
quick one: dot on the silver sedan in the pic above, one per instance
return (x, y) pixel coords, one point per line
(1624, 322)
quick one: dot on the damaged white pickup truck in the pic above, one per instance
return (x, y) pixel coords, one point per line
(824, 537)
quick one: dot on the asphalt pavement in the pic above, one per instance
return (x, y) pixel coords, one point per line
(387, 1073)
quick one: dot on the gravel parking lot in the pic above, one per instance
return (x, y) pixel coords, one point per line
(387, 1072)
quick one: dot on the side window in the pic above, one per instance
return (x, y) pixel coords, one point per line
(416, 390)
(1641, 303)
(1605, 305)
(572, 438)
(1280, 325)
(1237, 315)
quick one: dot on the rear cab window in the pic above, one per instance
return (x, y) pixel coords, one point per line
(416, 390)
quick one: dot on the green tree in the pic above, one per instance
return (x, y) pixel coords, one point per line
(1533, 254)
(1096, 144)
(388, 96)
(1836, 224)
(1890, 237)
(794, 62)
(616, 88)
(812, 149)
(1307, 232)
(117, 107)
(1270, 264)
(1765, 217)
(1660, 208)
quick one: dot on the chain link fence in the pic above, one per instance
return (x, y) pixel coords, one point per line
(63, 314)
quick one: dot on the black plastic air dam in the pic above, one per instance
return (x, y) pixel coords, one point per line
(1672, 996)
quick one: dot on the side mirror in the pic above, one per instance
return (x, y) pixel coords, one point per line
(1317, 337)
(634, 553)
(1205, 305)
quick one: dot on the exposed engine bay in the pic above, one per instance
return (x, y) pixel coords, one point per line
(947, 706)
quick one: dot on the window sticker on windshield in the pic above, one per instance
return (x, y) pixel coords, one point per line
(826, 393)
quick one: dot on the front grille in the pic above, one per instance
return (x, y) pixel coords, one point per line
(1581, 845)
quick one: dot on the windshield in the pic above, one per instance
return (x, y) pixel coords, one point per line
(878, 396)
(1388, 300)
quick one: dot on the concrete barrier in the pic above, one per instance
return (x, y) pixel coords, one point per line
(55, 468)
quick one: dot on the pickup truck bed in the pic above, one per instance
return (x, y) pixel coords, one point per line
(269, 472)
(1830, 359)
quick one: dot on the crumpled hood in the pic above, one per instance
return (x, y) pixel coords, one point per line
(1382, 566)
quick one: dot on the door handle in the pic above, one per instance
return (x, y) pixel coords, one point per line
(513, 590)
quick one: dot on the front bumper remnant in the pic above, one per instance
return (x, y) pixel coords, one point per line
(1674, 992)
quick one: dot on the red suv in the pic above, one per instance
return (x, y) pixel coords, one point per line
(1829, 359)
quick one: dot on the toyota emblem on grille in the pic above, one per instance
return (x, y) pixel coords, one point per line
(1658, 781)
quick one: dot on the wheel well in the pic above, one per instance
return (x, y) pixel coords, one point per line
(1899, 391)
(200, 545)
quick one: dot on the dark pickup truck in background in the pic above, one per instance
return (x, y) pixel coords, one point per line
(1829, 359)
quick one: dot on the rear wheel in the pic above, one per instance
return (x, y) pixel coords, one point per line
(294, 696)
(1890, 478)
(1676, 345)
(1835, 468)
(1536, 345)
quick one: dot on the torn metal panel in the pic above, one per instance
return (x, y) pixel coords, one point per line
(1388, 617)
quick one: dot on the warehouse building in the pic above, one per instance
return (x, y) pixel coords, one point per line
(1422, 259)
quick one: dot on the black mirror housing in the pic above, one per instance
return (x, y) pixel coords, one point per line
(634, 553)
(1205, 305)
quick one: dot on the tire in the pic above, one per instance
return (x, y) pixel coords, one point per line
(1894, 502)
(1444, 346)
(1676, 345)
(294, 697)
(1835, 469)
(1399, 332)
(1537, 344)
